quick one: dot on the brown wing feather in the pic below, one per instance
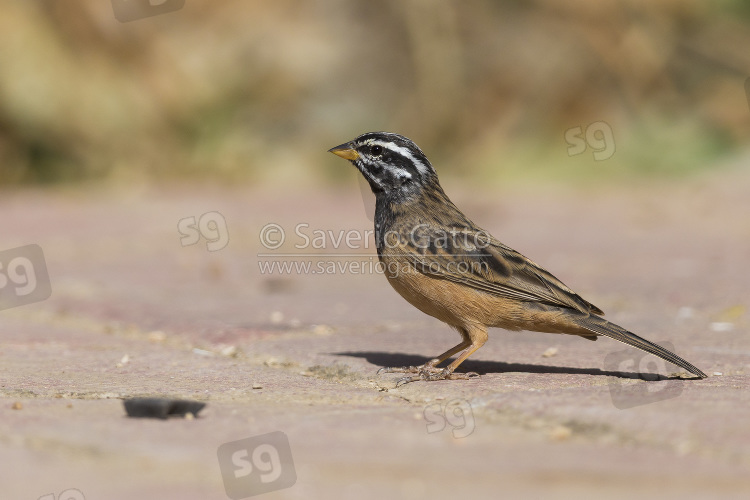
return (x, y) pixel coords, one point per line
(472, 257)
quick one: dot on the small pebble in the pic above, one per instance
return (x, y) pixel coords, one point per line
(721, 326)
(718, 374)
(552, 351)
(734, 312)
(17, 406)
(157, 336)
(230, 351)
(560, 433)
(162, 408)
(276, 317)
(124, 361)
(322, 330)
(202, 352)
(189, 416)
(685, 313)
(257, 386)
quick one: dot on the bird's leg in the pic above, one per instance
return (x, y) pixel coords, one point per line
(474, 337)
(431, 365)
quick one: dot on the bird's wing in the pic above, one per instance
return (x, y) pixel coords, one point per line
(476, 259)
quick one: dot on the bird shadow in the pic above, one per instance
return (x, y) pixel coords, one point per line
(389, 359)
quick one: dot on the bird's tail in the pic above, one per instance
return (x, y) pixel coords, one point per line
(601, 326)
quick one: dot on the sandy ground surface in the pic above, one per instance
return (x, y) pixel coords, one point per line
(133, 312)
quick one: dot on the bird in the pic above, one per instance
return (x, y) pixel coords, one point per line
(448, 267)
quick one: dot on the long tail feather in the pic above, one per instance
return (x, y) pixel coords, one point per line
(603, 327)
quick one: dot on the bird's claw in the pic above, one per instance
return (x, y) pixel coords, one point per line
(431, 374)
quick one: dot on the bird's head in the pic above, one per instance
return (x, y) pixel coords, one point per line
(392, 164)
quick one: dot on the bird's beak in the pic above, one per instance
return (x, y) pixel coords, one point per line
(345, 151)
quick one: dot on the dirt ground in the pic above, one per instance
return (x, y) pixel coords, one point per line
(287, 362)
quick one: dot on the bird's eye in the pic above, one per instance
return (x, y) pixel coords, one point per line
(376, 150)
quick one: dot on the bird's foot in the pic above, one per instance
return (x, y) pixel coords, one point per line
(436, 374)
(429, 366)
(427, 372)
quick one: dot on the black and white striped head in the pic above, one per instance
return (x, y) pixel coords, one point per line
(392, 164)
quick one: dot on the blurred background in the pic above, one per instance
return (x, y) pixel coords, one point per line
(255, 92)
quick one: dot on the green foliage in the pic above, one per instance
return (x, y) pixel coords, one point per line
(257, 91)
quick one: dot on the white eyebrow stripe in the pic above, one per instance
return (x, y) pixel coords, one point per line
(421, 167)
